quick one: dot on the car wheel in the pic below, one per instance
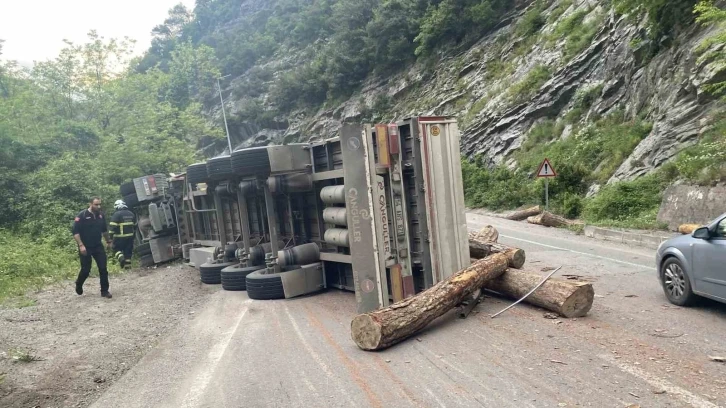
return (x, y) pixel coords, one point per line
(675, 282)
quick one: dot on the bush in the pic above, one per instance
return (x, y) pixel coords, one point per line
(528, 87)
(497, 188)
(632, 203)
(705, 163)
(532, 21)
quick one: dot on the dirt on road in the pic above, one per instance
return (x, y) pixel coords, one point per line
(66, 350)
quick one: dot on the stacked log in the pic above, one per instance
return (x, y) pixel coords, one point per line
(383, 328)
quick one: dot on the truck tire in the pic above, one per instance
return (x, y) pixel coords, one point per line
(197, 173)
(127, 188)
(233, 277)
(219, 168)
(251, 161)
(143, 249)
(267, 286)
(131, 200)
(146, 261)
(211, 273)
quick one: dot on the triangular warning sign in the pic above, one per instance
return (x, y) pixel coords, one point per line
(546, 169)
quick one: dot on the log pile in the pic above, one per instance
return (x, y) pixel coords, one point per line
(496, 270)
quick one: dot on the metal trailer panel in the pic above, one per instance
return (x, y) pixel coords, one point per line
(289, 158)
(162, 248)
(444, 196)
(357, 152)
(307, 279)
(151, 187)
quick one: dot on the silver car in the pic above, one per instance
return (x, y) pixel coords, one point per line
(695, 264)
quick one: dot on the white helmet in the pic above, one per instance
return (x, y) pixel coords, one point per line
(119, 205)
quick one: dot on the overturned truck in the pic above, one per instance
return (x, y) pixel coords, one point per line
(377, 210)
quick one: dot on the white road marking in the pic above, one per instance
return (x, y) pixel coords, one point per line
(657, 382)
(215, 354)
(578, 252)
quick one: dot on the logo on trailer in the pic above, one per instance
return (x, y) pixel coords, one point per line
(435, 130)
(354, 143)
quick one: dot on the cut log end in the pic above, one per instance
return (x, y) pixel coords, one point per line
(366, 332)
(579, 303)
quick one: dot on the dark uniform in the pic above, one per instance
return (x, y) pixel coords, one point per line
(91, 227)
(122, 231)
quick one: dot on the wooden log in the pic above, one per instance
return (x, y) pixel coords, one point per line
(479, 249)
(549, 220)
(566, 298)
(383, 328)
(688, 228)
(524, 214)
(488, 234)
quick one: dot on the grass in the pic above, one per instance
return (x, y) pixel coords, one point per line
(529, 85)
(24, 356)
(705, 163)
(28, 264)
(577, 34)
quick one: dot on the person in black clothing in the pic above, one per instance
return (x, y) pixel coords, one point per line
(122, 232)
(88, 227)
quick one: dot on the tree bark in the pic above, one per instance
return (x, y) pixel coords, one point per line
(479, 249)
(487, 234)
(568, 299)
(688, 228)
(524, 214)
(383, 328)
(549, 220)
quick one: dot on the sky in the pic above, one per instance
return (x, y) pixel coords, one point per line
(34, 30)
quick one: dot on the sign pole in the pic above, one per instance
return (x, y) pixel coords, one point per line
(547, 194)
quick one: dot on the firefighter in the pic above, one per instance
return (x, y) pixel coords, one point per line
(123, 223)
(88, 227)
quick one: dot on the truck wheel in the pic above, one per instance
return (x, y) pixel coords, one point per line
(143, 249)
(127, 188)
(146, 261)
(233, 277)
(251, 161)
(211, 273)
(267, 286)
(131, 200)
(197, 173)
(219, 168)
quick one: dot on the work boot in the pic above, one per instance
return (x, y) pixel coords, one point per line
(106, 295)
(79, 289)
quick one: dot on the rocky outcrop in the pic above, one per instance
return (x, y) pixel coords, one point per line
(691, 204)
(664, 90)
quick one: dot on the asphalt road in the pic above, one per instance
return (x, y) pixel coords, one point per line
(633, 347)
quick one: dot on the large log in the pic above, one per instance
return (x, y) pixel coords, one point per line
(479, 249)
(385, 327)
(569, 299)
(549, 220)
(524, 214)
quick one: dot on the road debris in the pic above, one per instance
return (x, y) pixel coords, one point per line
(633, 394)
(550, 315)
(558, 362)
(718, 359)
(631, 296)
